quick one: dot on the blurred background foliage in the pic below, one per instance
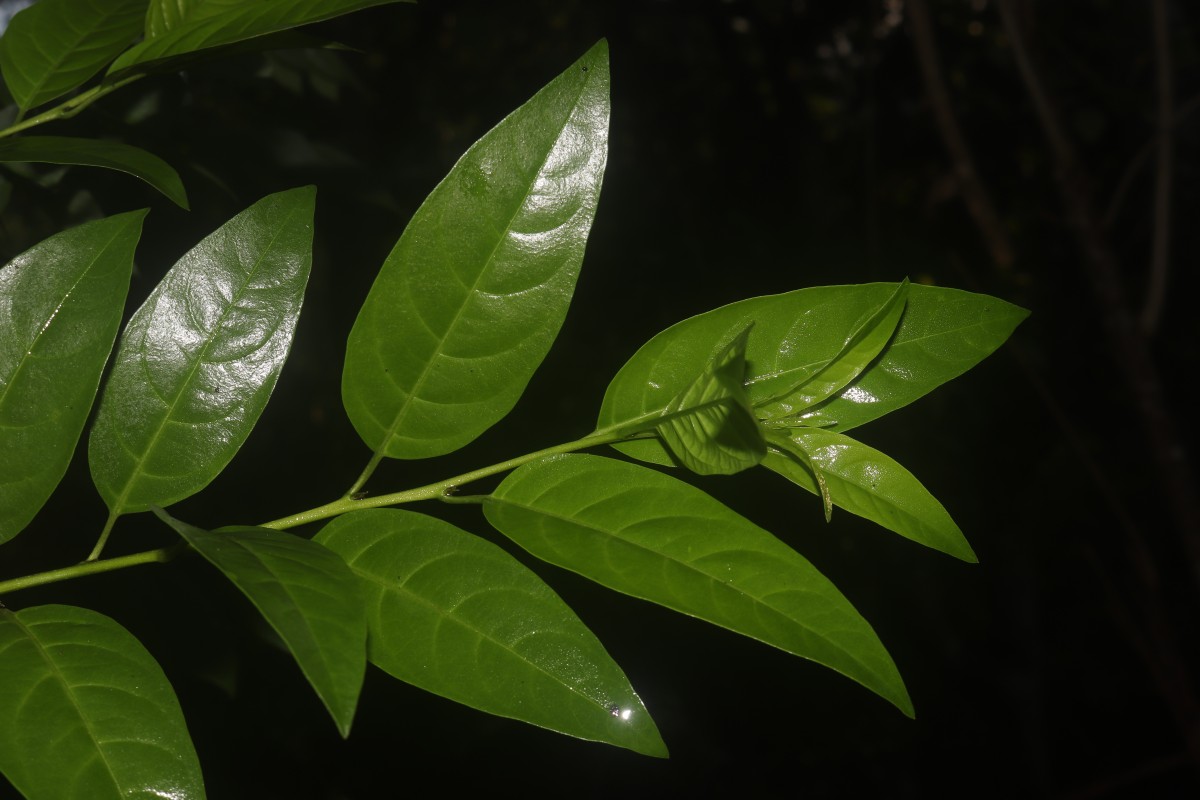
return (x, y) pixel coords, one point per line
(757, 146)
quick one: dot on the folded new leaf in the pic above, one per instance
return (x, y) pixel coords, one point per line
(709, 426)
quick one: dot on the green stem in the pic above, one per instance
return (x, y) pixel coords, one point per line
(103, 540)
(442, 489)
(376, 457)
(161, 555)
(70, 108)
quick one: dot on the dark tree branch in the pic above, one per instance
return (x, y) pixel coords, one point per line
(1160, 248)
(978, 200)
(1132, 355)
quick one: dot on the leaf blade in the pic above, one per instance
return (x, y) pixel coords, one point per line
(54, 46)
(865, 342)
(470, 300)
(709, 426)
(60, 308)
(307, 594)
(869, 484)
(942, 333)
(98, 153)
(199, 360)
(215, 23)
(86, 713)
(648, 535)
(457, 616)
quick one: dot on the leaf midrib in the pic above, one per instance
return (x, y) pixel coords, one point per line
(53, 65)
(449, 615)
(427, 370)
(69, 690)
(50, 322)
(131, 481)
(308, 630)
(724, 586)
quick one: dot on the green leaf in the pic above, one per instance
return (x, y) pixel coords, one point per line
(197, 362)
(942, 333)
(163, 16)
(307, 594)
(213, 23)
(457, 616)
(86, 713)
(868, 483)
(54, 46)
(61, 303)
(471, 298)
(865, 342)
(651, 536)
(97, 153)
(709, 426)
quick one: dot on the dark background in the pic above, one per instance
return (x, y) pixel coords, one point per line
(756, 147)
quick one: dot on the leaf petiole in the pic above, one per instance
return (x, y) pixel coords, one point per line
(442, 490)
(159, 556)
(71, 107)
(108, 526)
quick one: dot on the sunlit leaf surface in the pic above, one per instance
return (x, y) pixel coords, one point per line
(866, 340)
(459, 617)
(197, 363)
(86, 713)
(942, 333)
(868, 483)
(649, 535)
(471, 298)
(61, 303)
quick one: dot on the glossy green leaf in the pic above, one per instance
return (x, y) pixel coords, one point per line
(214, 23)
(709, 426)
(307, 594)
(471, 298)
(198, 361)
(942, 333)
(868, 483)
(54, 46)
(86, 713)
(163, 16)
(98, 153)
(865, 342)
(61, 303)
(649, 535)
(457, 616)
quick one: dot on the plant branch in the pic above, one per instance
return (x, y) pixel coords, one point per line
(974, 193)
(1179, 114)
(99, 547)
(442, 489)
(70, 108)
(1160, 247)
(159, 556)
(1130, 349)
